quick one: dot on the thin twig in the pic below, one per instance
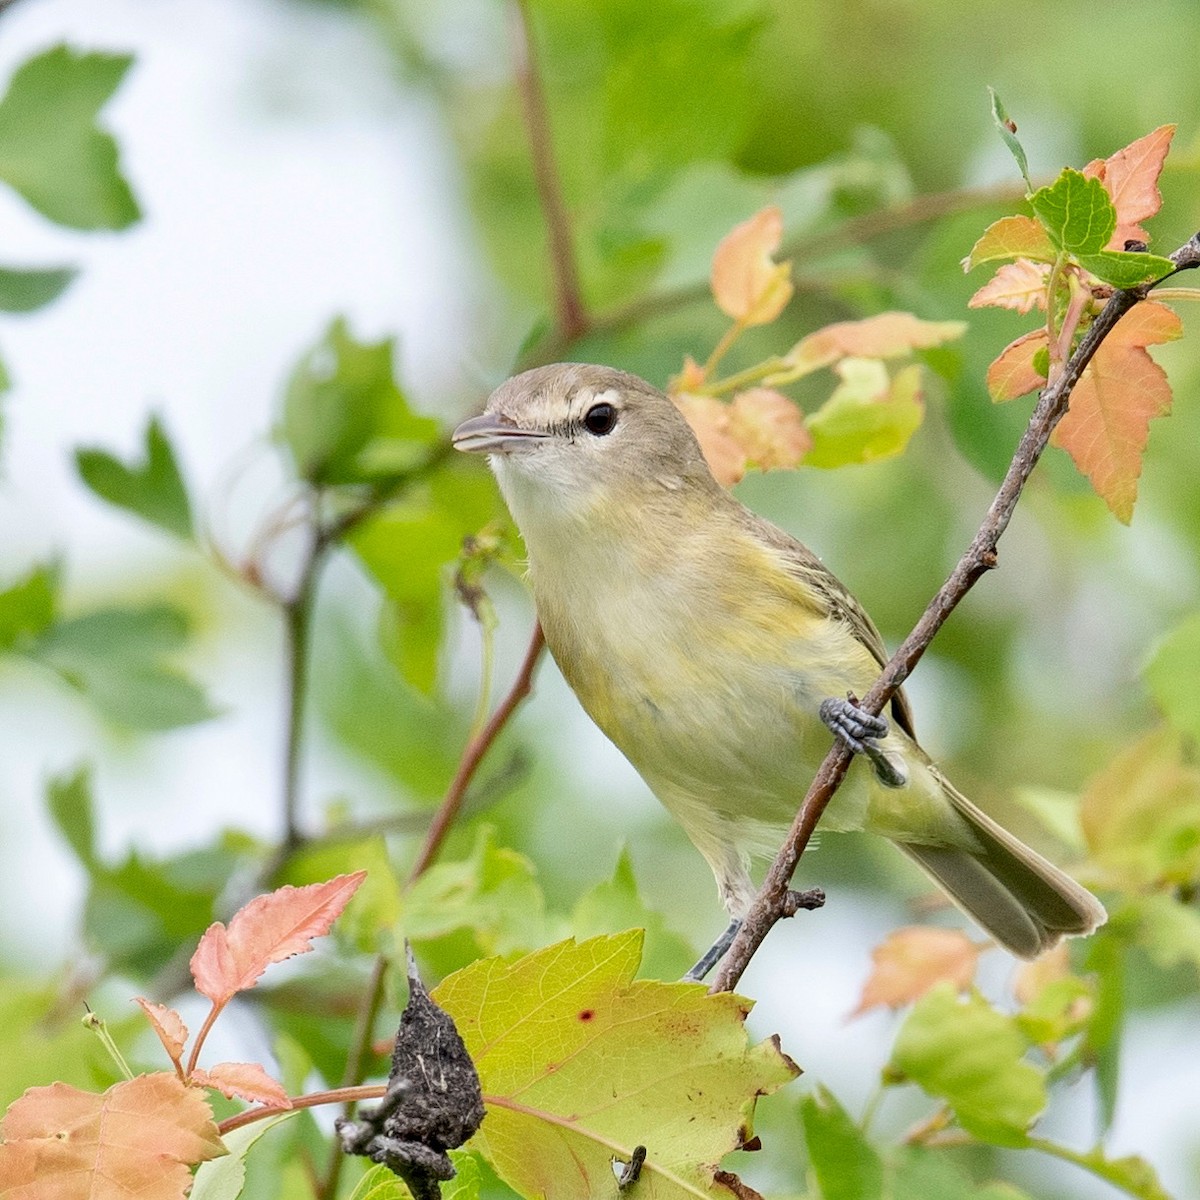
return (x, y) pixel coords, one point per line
(979, 558)
(570, 315)
(473, 755)
(360, 1044)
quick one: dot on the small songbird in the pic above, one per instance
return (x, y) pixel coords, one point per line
(716, 652)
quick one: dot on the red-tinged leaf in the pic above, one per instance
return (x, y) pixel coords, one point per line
(169, 1026)
(912, 961)
(1131, 179)
(246, 1080)
(690, 377)
(136, 1141)
(885, 335)
(269, 929)
(1013, 374)
(1150, 323)
(1108, 422)
(1017, 285)
(769, 427)
(747, 283)
(709, 419)
(1012, 237)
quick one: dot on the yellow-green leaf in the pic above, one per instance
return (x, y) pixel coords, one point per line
(868, 417)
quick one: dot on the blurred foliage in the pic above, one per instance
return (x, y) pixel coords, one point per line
(671, 123)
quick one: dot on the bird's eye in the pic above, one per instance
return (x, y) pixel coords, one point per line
(600, 419)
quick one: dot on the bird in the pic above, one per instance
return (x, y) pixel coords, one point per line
(718, 653)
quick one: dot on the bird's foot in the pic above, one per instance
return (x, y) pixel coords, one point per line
(862, 732)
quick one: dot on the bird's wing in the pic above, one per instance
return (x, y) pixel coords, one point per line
(801, 562)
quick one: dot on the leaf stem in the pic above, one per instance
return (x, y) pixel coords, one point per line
(374, 1091)
(198, 1041)
(977, 560)
(570, 315)
(473, 755)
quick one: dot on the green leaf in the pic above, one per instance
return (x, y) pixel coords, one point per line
(1105, 958)
(493, 894)
(1171, 675)
(69, 799)
(152, 489)
(615, 905)
(868, 417)
(223, 1178)
(380, 1183)
(51, 150)
(571, 1052)
(27, 607)
(919, 1173)
(1008, 131)
(971, 1056)
(23, 291)
(1167, 930)
(844, 1162)
(1126, 268)
(1133, 1175)
(1077, 213)
(115, 657)
(345, 419)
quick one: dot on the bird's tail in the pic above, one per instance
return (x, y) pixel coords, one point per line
(1026, 903)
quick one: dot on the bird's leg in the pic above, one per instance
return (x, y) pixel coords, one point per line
(862, 733)
(793, 903)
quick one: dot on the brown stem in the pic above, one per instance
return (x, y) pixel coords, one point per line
(360, 1044)
(570, 316)
(979, 558)
(473, 755)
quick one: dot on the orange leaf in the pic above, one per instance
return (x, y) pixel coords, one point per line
(267, 930)
(1012, 374)
(709, 419)
(769, 428)
(748, 285)
(913, 960)
(1017, 285)
(137, 1140)
(690, 377)
(1011, 237)
(1131, 179)
(247, 1080)
(885, 335)
(1108, 422)
(169, 1026)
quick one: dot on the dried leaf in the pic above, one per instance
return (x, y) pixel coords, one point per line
(769, 427)
(136, 1141)
(267, 930)
(886, 335)
(1131, 179)
(1017, 285)
(1108, 423)
(169, 1026)
(748, 284)
(1012, 237)
(912, 961)
(246, 1080)
(709, 419)
(1013, 373)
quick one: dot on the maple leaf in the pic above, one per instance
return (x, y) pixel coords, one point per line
(1107, 424)
(135, 1141)
(1017, 285)
(885, 335)
(247, 1080)
(709, 419)
(1013, 372)
(169, 1026)
(580, 1063)
(1130, 176)
(747, 283)
(912, 961)
(769, 427)
(267, 930)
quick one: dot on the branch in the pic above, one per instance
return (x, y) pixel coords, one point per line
(473, 755)
(570, 316)
(979, 558)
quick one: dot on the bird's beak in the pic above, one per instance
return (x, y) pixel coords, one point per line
(494, 433)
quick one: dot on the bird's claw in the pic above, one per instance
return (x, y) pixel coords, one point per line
(862, 732)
